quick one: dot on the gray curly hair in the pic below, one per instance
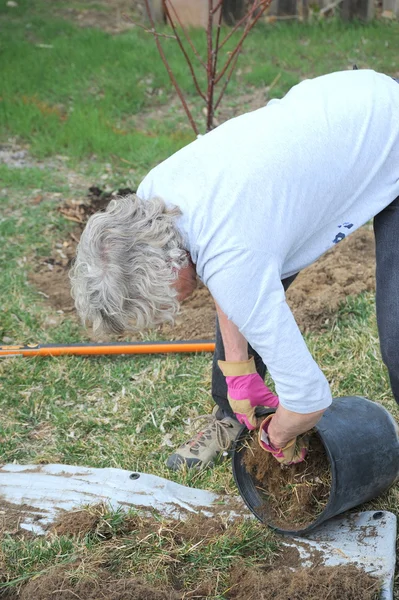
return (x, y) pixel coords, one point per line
(127, 260)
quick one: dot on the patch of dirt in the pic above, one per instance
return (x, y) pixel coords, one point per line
(97, 200)
(92, 579)
(78, 522)
(342, 582)
(314, 297)
(293, 496)
(50, 275)
(13, 516)
(337, 583)
(284, 579)
(348, 269)
(196, 320)
(197, 528)
(56, 585)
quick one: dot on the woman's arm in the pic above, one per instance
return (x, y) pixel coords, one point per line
(235, 344)
(286, 425)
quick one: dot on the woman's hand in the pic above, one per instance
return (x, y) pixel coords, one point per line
(246, 390)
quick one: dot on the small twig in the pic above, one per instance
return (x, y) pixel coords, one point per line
(68, 591)
(273, 83)
(209, 69)
(128, 162)
(68, 217)
(217, 41)
(144, 28)
(182, 48)
(43, 294)
(227, 80)
(170, 72)
(73, 236)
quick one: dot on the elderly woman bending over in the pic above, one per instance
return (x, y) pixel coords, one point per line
(245, 208)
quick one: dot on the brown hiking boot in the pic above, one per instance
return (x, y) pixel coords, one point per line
(208, 445)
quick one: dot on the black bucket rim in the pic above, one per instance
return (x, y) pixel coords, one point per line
(243, 480)
(241, 436)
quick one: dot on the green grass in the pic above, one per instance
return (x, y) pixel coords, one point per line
(79, 95)
(83, 98)
(30, 178)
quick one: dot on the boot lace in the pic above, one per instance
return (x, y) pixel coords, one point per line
(212, 425)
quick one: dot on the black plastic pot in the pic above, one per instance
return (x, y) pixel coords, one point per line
(362, 445)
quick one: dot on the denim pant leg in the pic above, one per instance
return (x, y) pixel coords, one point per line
(386, 230)
(219, 386)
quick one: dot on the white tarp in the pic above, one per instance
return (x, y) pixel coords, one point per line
(367, 539)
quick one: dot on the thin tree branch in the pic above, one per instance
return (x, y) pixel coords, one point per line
(209, 69)
(216, 51)
(189, 40)
(249, 25)
(214, 46)
(144, 28)
(186, 56)
(218, 5)
(227, 81)
(169, 70)
(263, 5)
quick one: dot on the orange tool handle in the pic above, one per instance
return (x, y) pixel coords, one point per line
(111, 348)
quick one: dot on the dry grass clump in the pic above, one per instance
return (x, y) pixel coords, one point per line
(293, 496)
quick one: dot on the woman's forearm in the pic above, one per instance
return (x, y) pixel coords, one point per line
(235, 345)
(286, 425)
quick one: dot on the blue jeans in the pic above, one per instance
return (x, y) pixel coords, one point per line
(386, 231)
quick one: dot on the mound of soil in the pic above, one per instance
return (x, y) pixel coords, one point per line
(338, 583)
(196, 528)
(78, 522)
(95, 577)
(348, 269)
(335, 583)
(56, 586)
(314, 297)
(293, 495)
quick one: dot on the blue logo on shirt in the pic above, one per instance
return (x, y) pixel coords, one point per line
(340, 236)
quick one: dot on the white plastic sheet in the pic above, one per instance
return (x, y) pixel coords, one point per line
(367, 539)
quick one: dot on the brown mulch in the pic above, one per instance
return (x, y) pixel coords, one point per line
(293, 496)
(335, 583)
(281, 578)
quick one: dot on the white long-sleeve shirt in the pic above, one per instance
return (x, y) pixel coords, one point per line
(265, 194)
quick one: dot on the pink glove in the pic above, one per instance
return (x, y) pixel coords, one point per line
(246, 390)
(293, 452)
